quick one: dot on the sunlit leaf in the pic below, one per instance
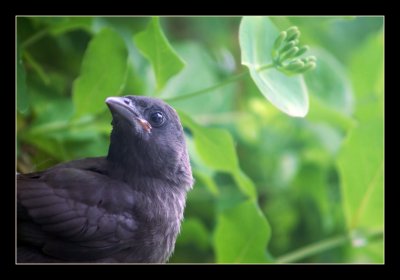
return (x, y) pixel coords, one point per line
(288, 94)
(322, 112)
(361, 168)
(330, 83)
(245, 184)
(201, 172)
(367, 68)
(242, 235)
(102, 74)
(153, 44)
(361, 161)
(216, 149)
(214, 146)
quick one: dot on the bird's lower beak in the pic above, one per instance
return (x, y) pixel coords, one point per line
(120, 106)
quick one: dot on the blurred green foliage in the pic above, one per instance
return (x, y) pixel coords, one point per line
(269, 187)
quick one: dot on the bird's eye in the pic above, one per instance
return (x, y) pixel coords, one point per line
(157, 119)
(127, 101)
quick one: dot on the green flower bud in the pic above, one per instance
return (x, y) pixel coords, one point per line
(294, 65)
(294, 36)
(291, 31)
(312, 58)
(309, 66)
(279, 40)
(289, 54)
(288, 46)
(305, 60)
(302, 50)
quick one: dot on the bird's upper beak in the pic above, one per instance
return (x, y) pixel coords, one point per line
(127, 110)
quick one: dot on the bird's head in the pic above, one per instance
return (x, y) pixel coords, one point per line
(147, 137)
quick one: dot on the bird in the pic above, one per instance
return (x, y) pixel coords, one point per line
(126, 207)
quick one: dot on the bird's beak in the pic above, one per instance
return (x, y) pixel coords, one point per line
(119, 106)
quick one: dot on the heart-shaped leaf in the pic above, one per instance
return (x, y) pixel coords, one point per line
(242, 235)
(288, 94)
(103, 72)
(361, 159)
(217, 150)
(153, 44)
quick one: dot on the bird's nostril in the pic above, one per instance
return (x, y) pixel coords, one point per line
(127, 101)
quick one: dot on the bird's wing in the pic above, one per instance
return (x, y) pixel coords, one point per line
(75, 214)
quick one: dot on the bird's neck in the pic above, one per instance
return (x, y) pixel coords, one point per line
(122, 153)
(130, 161)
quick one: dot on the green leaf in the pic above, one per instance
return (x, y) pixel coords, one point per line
(361, 168)
(207, 180)
(322, 112)
(66, 24)
(245, 184)
(369, 58)
(49, 145)
(311, 186)
(57, 25)
(329, 82)
(371, 252)
(52, 112)
(242, 235)
(201, 65)
(22, 96)
(288, 94)
(194, 232)
(201, 172)
(216, 149)
(103, 73)
(70, 144)
(361, 160)
(214, 146)
(153, 44)
(37, 68)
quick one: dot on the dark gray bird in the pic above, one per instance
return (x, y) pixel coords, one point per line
(126, 207)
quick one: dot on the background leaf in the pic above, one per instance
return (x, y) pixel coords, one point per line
(153, 44)
(199, 64)
(329, 82)
(67, 24)
(242, 235)
(288, 94)
(216, 149)
(103, 73)
(22, 96)
(361, 159)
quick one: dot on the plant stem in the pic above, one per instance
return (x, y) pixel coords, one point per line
(39, 70)
(322, 246)
(264, 67)
(34, 38)
(205, 90)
